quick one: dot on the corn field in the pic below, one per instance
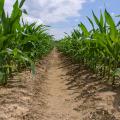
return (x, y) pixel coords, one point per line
(21, 44)
(98, 48)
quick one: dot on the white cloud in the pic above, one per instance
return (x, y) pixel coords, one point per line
(27, 18)
(59, 10)
(51, 11)
(31, 19)
(8, 5)
(59, 33)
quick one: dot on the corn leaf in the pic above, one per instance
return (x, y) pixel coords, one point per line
(21, 3)
(1, 7)
(91, 22)
(97, 22)
(111, 23)
(84, 29)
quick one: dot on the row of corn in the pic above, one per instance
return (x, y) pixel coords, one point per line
(21, 43)
(97, 48)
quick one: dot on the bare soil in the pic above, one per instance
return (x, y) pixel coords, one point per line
(60, 90)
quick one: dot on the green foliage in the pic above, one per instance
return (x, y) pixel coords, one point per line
(20, 44)
(99, 48)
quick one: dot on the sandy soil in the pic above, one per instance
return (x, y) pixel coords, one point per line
(60, 90)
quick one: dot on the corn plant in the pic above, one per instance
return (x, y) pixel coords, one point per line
(99, 48)
(20, 44)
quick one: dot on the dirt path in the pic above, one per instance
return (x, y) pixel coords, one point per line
(44, 97)
(60, 90)
(59, 101)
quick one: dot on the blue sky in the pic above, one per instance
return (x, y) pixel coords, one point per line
(113, 6)
(64, 15)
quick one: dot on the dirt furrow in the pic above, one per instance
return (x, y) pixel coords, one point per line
(59, 100)
(60, 90)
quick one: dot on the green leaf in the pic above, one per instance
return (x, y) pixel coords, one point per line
(3, 78)
(4, 21)
(15, 17)
(21, 3)
(116, 72)
(15, 10)
(91, 22)
(97, 22)
(111, 23)
(33, 68)
(101, 20)
(9, 51)
(1, 7)
(84, 29)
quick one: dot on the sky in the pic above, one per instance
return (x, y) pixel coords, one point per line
(64, 15)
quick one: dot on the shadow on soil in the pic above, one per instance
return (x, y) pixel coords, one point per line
(85, 84)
